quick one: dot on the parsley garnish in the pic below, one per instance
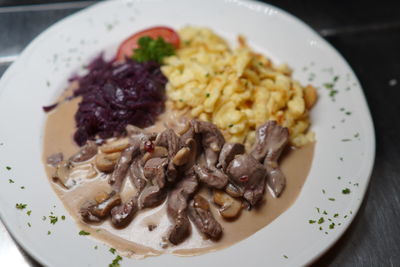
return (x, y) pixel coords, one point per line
(152, 50)
(29, 224)
(321, 220)
(112, 250)
(8, 168)
(331, 199)
(115, 262)
(208, 95)
(22, 187)
(48, 232)
(325, 213)
(332, 225)
(311, 221)
(29, 212)
(81, 232)
(230, 125)
(328, 85)
(285, 256)
(44, 218)
(63, 217)
(53, 219)
(11, 181)
(20, 206)
(335, 215)
(346, 191)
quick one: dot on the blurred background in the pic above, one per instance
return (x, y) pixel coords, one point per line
(366, 34)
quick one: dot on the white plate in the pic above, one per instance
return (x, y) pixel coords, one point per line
(42, 71)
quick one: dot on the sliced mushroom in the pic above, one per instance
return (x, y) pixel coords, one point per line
(158, 152)
(84, 170)
(117, 145)
(182, 156)
(230, 207)
(87, 152)
(101, 196)
(106, 162)
(233, 190)
(102, 209)
(62, 175)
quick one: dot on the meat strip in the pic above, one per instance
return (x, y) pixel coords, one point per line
(271, 141)
(200, 214)
(122, 215)
(246, 173)
(177, 208)
(228, 153)
(120, 172)
(214, 178)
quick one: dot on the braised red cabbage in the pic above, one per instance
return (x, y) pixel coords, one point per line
(115, 94)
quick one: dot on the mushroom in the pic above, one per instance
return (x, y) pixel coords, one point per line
(106, 162)
(117, 145)
(181, 157)
(230, 207)
(85, 170)
(102, 209)
(233, 191)
(158, 152)
(85, 153)
(62, 175)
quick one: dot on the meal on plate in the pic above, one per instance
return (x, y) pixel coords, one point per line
(170, 146)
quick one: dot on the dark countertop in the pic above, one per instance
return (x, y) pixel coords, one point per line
(366, 34)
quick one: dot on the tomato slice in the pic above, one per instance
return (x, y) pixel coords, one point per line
(127, 47)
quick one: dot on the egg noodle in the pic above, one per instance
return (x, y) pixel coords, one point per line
(237, 90)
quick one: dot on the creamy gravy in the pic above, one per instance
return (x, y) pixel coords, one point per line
(136, 240)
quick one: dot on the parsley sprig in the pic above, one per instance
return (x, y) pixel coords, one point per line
(152, 50)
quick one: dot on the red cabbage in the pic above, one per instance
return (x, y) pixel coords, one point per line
(115, 94)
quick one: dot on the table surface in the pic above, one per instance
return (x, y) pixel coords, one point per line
(366, 34)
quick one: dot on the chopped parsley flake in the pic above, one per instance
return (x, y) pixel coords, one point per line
(115, 262)
(180, 100)
(332, 225)
(328, 85)
(311, 221)
(44, 218)
(29, 212)
(8, 168)
(346, 191)
(112, 250)
(317, 209)
(81, 232)
(11, 181)
(335, 79)
(356, 135)
(345, 216)
(230, 125)
(63, 217)
(331, 199)
(332, 93)
(348, 113)
(323, 191)
(29, 224)
(320, 228)
(325, 213)
(22, 187)
(208, 95)
(20, 206)
(346, 140)
(53, 219)
(335, 215)
(321, 220)
(285, 256)
(341, 158)
(48, 232)
(339, 177)
(96, 247)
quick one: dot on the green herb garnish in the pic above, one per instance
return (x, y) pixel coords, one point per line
(11, 181)
(115, 262)
(285, 256)
(29, 212)
(48, 233)
(346, 191)
(112, 250)
(29, 224)
(321, 220)
(8, 168)
(332, 225)
(152, 50)
(63, 217)
(20, 206)
(53, 219)
(311, 221)
(81, 232)
(335, 215)
(208, 95)
(331, 199)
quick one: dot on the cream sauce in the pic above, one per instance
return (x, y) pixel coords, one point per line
(136, 240)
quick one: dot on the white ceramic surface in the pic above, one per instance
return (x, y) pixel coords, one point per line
(41, 73)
